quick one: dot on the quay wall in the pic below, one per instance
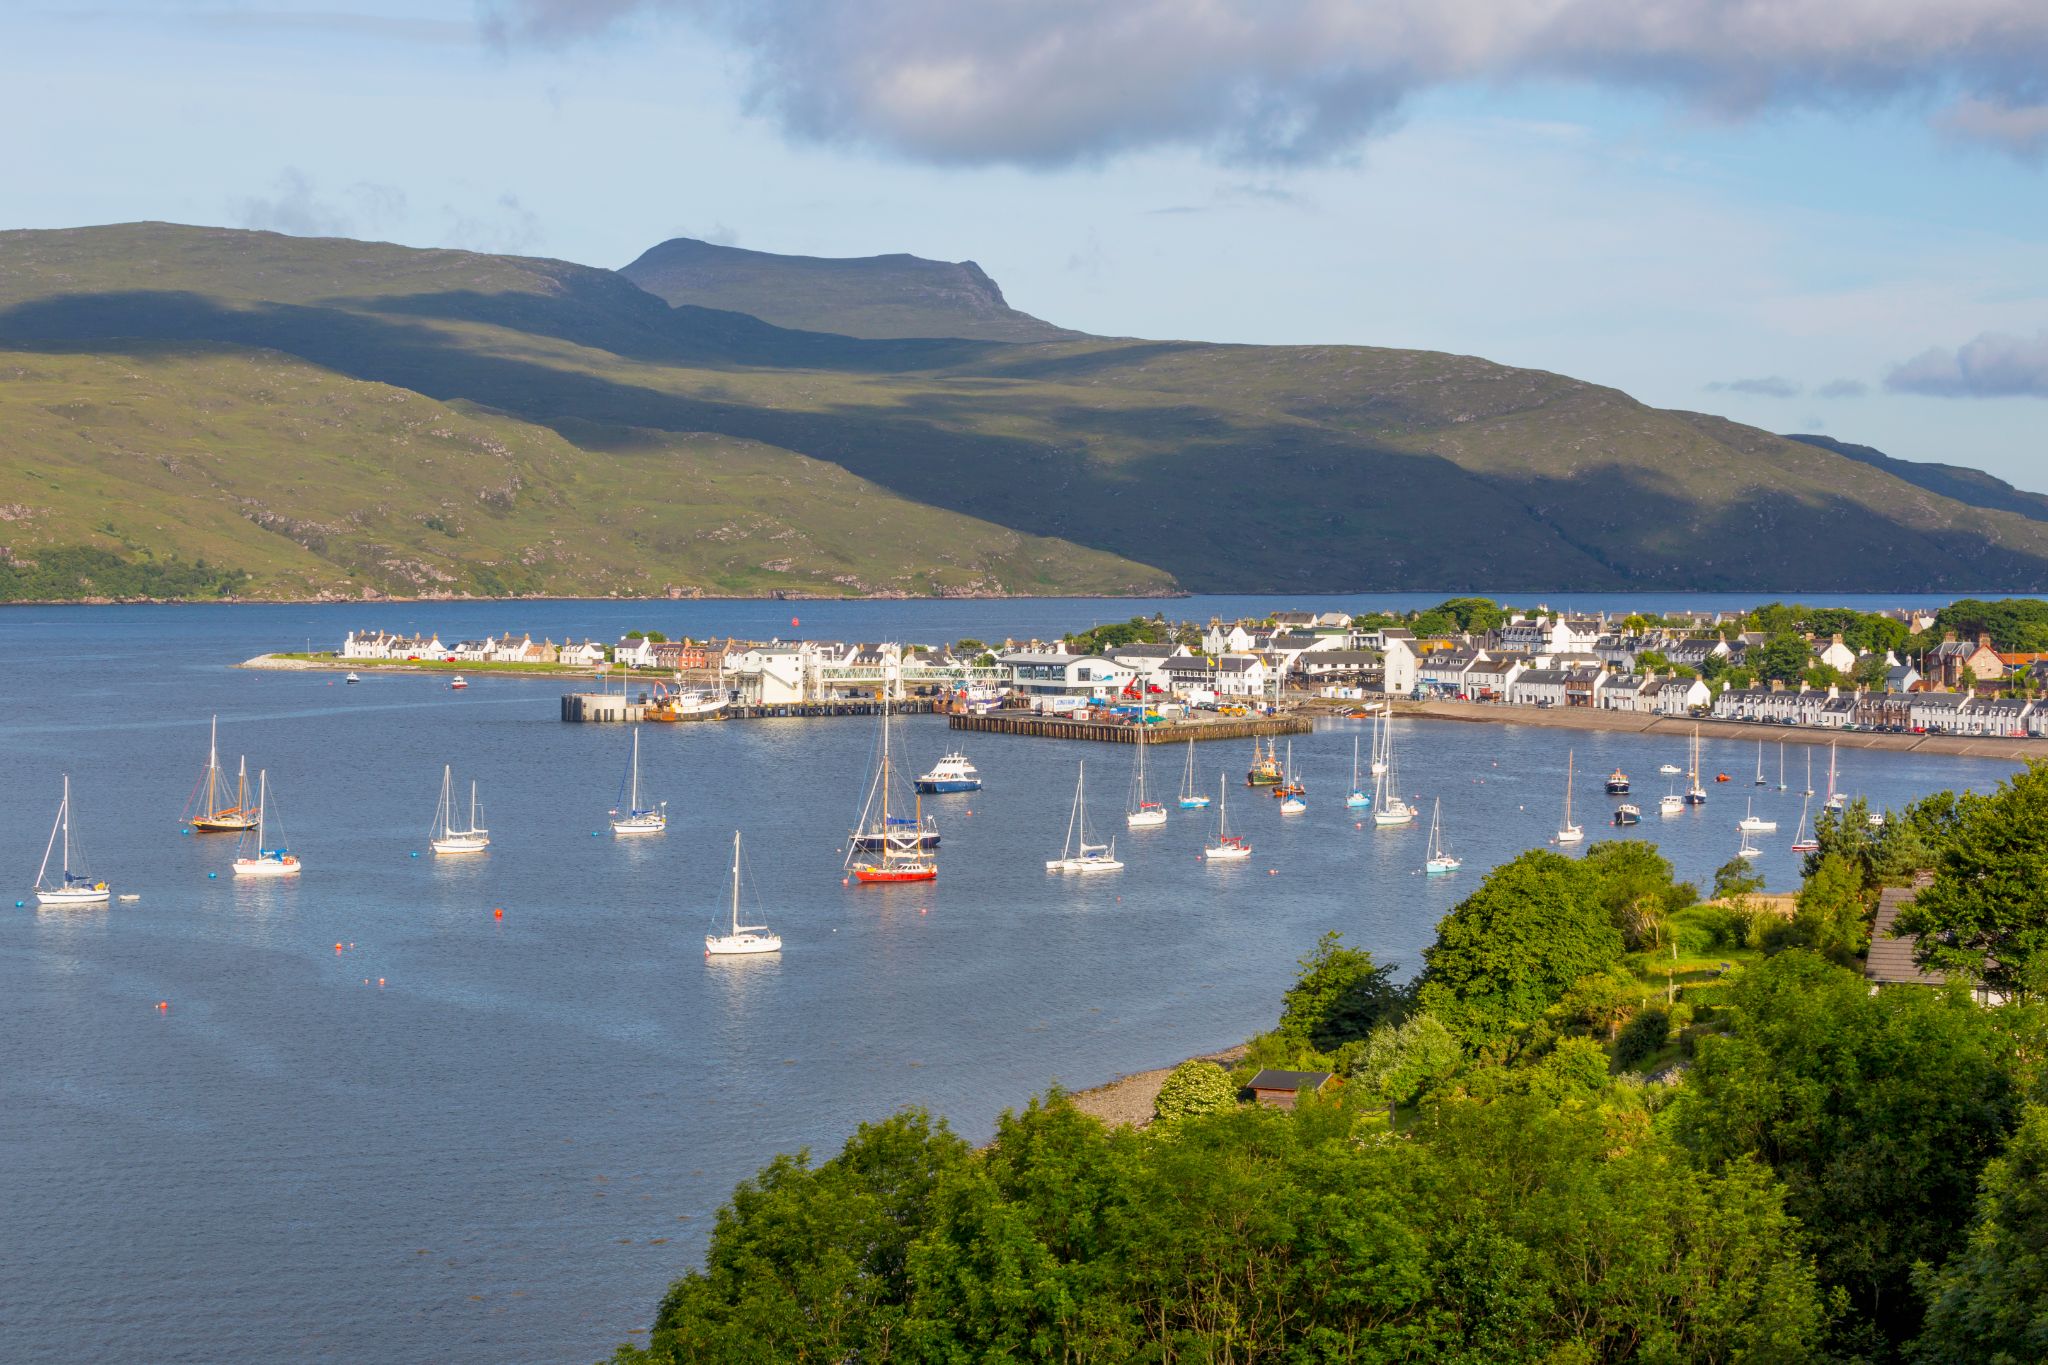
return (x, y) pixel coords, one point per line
(1113, 732)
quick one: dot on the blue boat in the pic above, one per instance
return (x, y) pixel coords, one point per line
(953, 773)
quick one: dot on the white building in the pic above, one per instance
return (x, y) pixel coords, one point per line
(1060, 682)
(634, 652)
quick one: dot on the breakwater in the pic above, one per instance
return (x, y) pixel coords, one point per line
(1116, 732)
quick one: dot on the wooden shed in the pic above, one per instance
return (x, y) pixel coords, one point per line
(1278, 1089)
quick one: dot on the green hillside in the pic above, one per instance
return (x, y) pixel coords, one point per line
(1227, 468)
(1972, 486)
(861, 296)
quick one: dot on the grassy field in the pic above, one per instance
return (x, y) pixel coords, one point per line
(656, 445)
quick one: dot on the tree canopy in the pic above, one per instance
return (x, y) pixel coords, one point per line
(1986, 915)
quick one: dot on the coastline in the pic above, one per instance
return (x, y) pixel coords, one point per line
(1128, 1099)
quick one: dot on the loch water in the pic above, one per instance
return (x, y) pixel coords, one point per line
(379, 1121)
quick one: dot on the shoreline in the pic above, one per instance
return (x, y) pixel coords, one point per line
(1128, 1099)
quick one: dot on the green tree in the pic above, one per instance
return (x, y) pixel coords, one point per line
(1986, 914)
(1989, 1302)
(1340, 997)
(1474, 615)
(1637, 888)
(1407, 1061)
(1193, 1087)
(1781, 658)
(1714, 667)
(1652, 661)
(1511, 949)
(1877, 1111)
(1736, 877)
(1830, 914)
(1870, 670)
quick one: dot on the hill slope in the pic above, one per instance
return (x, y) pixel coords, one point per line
(1965, 485)
(861, 296)
(1230, 468)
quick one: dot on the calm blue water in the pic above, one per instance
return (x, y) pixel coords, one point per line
(506, 1149)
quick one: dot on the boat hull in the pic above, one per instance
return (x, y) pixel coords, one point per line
(1806, 846)
(1437, 867)
(266, 867)
(942, 786)
(1225, 855)
(222, 822)
(83, 895)
(1194, 803)
(451, 846)
(741, 945)
(1145, 819)
(1083, 866)
(624, 828)
(1293, 805)
(889, 876)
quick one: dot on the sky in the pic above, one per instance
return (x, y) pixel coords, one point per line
(1809, 215)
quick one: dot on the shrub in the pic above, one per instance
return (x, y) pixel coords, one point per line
(1194, 1087)
(1641, 1037)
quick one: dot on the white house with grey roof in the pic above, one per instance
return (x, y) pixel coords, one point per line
(1060, 682)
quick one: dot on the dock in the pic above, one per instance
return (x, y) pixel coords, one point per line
(1121, 732)
(614, 708)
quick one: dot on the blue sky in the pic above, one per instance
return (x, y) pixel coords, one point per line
(1671, 221)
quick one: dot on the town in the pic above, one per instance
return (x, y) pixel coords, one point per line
(1864, 675)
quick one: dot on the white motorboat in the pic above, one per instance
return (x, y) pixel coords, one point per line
(744, 940)
(68, 888)
(1440, 859)
(699, 705)
(953, 773)
(1077, 854)
(1752, 823)
(256, 858)
(1191, 797)
(457, 683)
(445, 837)
(1228, 848)
(1670, 770)
(631, 817)
(1569, 833)
(1671, 803)
(351, 679)
(1144, 813)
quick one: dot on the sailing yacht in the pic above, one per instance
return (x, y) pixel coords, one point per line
(1781, 765)
(1440, 859)
(1382, 738)
(1748, 850)
(70, 888)
(1144, 813)
(208, 810)
(1387, 806)
(1809, 774)
(1358, 798)
(254, 859)
(1836, 797)
(1290, 791)
(1228, 848)
(745, 939)
(1190, 797)
(446, 838)
(1695, 794)
(1802, 842)
(634, 818)
(1569, 833)
(1752, 823)
(1760, 765)
(1080, 855)
(886, 849)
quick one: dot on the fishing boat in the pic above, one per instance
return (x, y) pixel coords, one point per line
(1569, 833)
(1191, 798)
(1228, 848)
(208, 811)
(1265, 770)
(1144, 813)
(953, 773)
(1358, 798)
(744, 940)
(1875, 819)
(1617, 783)
(351, 679)
(631, 817)
(1695, 794)
(703, 704)
(1290, 792)
(68, 887)
(256, 858)
(446, 838)
(1752, 823)
(1760, 765)
(1671, 803)
(457, 683)
(1803, 842)
(1440, 860)
(1387, 806)
(1628, 813)
(1837, 798)
(886, 849)
(1077, 854)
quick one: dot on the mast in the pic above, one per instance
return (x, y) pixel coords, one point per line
(64, 817)
(472, 805)
(1569, 757)
(242, 784)
(445, 815)
(735, 881)
(213, 766)
(1222, 808)
(263, 805)
(633, 794)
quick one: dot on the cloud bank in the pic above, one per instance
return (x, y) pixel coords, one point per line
(1995, 365)
(1048, 82)
(1770, 386)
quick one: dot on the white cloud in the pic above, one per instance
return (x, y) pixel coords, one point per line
(1994, 365)
(1770, 386)
(1046, 82)
(296, 207)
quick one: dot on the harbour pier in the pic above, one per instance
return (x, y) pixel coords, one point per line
(1122, 732)
(615, 708)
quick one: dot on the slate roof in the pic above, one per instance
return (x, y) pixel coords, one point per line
(1890, 962)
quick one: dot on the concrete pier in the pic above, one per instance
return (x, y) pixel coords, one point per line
(1113, 732)
(602, 707)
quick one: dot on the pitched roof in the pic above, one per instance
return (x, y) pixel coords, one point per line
(1890, 961)
(1288, 1080)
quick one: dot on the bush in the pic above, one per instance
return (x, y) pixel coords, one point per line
(1404, 1062)
(1641, 1037)
(1194, 1087)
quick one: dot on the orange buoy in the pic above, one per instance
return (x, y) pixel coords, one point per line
(337, 947)
(163, 1004)
(498, 913)
(380, 983)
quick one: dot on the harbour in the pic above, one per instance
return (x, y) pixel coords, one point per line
(1032, 725)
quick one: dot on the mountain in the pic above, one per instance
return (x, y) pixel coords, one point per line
(659, 445)
(1965, 485)
(877, 297)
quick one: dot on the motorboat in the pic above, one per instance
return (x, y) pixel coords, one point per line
(1617, 783)
(953, 773)
(1628, 813)
(1752, 823)
(457, 683)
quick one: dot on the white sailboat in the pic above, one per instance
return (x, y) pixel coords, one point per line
(446, 838)
(208, 811)
(1440, 859)
(1836, 797)
(1781, 765)
(1144, 813)
(1752, 823)
(1569, 833)
(1228, 848)
(1387, 806)
(1760, 765)
(1191, 798)
(634, 818)
(1695, 794)
(1382, 740)
(69, 888)
(1077, 854)
(1802, 842)
(745, 940)
(1809, 773)
(1294, 802)
(1358, 798)
(1748, 850)
(255, 858)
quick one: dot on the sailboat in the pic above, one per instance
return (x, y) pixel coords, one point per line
(1809, 774)
(1358, 798)
(446, 838)
(1748, 850)
(1228, 848)
(1760, 765)
(1440, 860)
(70, 888)
(634, 818)
(1695, 794)
(1190, 797)
(1836, 798)
(1751, 823)
(1781, 765)
(1802, 842)
(1080, 855)
(745, 939)
(254, 859)
(209, 811)
(1143, 814)
(1387, 806)
(1290, 790)
(890, 849)
(1382, 738)
(1569, 833)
